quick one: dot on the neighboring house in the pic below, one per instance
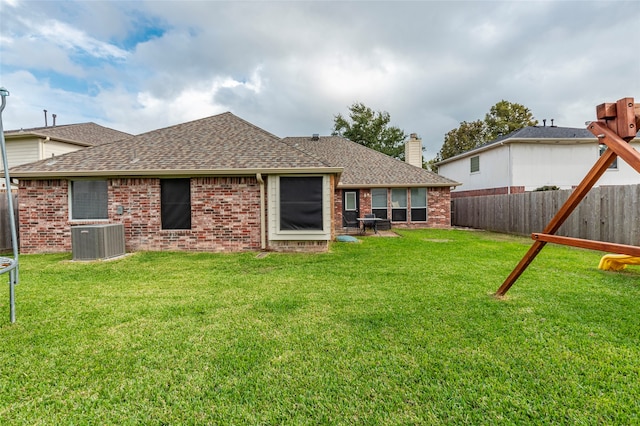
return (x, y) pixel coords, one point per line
(532, 158)
(29, 145)
(215, 184)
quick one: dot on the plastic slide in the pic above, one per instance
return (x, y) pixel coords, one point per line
(617, 262)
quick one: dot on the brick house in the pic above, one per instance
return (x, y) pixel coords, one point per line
(221, 184)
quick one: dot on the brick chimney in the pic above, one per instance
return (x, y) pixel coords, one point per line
(413, 150)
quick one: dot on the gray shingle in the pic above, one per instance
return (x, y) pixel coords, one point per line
(86, 134)
(364, 167)
(220, 143)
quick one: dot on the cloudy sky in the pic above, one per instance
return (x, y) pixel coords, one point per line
(290, 66)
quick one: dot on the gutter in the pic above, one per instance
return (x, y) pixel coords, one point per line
(43, 174)
(25, 135)
(400, 185)
(263, 228)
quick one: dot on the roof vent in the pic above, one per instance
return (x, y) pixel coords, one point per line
(315, 137)
(552, 123)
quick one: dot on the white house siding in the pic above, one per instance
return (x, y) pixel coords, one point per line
(624, 174)
(22, 151)
(494, 170)
(52, 148)
(564, 166)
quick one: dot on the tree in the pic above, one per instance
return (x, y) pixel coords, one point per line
(506, 117)
(464, 138)
(371, 129)
(502, 119)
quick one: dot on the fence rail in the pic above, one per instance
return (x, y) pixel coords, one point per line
(608, 213)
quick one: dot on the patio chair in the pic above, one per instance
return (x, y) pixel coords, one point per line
(349, 225)
(371, 224)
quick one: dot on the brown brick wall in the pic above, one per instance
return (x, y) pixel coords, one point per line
(44, 212)
(438, 209)
(225, 215)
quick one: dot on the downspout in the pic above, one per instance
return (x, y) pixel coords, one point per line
(509, 170)
(263, 228)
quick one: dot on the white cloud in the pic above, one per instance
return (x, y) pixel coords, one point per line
(67, 37)
(289, 67)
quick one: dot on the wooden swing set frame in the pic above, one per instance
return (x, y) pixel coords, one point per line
(617, 124)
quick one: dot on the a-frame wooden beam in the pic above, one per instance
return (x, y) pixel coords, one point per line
(618, 123)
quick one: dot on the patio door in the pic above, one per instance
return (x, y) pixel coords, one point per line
(350, 208)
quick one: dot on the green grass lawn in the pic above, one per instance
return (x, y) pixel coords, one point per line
(388, 331)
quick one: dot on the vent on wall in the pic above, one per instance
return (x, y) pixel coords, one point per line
(92, 242)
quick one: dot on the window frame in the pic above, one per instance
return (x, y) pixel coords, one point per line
(73, 194)
(350, 196)
(601, 149)
(381, 212)
(167, 221)
(399, 212)
(476, 169)
(419, 208)
(274, 211)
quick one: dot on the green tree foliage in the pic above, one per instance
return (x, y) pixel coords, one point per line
(371, 129)
(502, 119)
(506, 117)
(464, 138)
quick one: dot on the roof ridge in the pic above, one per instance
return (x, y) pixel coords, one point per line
(57, 126)
(222, 114)
(312, 155)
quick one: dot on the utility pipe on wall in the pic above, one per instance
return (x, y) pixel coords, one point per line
(263, 228)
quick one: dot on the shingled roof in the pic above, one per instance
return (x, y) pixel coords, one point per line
(364, 167)
(217, 145)
(532, 134)
(84, 134)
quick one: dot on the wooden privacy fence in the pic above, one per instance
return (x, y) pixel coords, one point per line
(5, 225)
(608, 213)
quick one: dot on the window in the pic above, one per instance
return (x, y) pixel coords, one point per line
(379, 202)
(613, 165)
(175, 203)
(301, 203)
(399, 204)
(89, 199)
(418, 204)
(350, 201)
(475, 164)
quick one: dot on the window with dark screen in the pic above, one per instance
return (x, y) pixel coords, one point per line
(89, 199)
(301, 203)
(175, 203)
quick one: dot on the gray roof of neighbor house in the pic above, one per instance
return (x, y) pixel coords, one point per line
(532, 134)
(84, 134)
(223, 144)
(364, 167)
